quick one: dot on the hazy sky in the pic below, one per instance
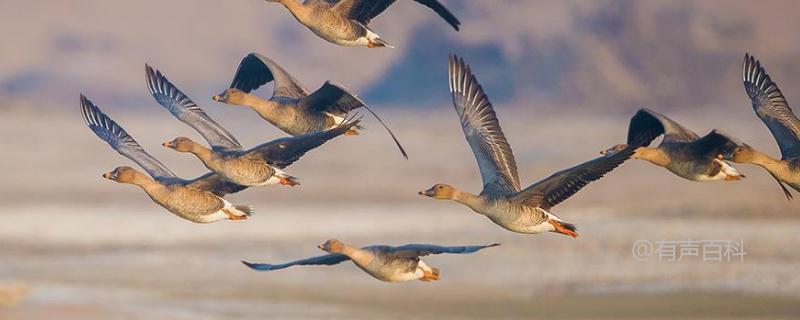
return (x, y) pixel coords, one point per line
(559, 54)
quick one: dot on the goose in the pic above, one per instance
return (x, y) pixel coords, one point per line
(682, 151)
(291, 108)
(199, 200)
(502, 200)
(258, 166)
(771, 106)
(385, 263)
(345, 22)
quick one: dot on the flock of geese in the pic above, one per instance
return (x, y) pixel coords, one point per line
(311, 119)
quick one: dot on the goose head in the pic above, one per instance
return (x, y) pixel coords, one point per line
(180, 144)
(231, 96)
(332, 246)
(122, 174)
(439, 191)
(742, 154)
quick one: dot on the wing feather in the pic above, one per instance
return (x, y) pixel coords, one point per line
(338, 100)
(188, 112)
(418, 250)
(771, 106)
(712, 145)
(327, 260)
(282, 152)
(482, 130)
(562, 185)
(108, 130)
(332, 98)
(365, 10)
(651, 123)
(256, 70)
(215, 184)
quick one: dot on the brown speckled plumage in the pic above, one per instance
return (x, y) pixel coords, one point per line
(226, 157)
(502, 200)
(292, 108)
(195, 200)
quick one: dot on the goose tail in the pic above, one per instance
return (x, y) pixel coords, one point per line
(243, 210)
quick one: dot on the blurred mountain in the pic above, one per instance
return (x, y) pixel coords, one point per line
(599, 55)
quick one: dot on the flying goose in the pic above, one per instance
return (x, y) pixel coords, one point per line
(682, 151)
(199, 200)
(385, 263)
(502, 200)
(291, 108)
(770, 105)
(345, 22)
(258, 166)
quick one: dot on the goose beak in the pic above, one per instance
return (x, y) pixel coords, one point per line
(218, 98)
(428, 193)
(110, 175)
(167, 144)
(320, 247)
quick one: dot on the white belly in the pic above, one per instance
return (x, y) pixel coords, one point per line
(337, 120)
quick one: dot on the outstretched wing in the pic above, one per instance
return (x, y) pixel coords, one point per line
(713, 144)
(108, 130)
(564, 184)
(188, 112)
(338, 100)
(332, 98)
(482, 130)
(770, 105)
(651, 123)
(418, 250)
(282, 152)
(215, 184)
(326, 260)
(256, 70)
(365, 10)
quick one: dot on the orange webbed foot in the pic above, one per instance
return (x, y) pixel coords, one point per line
(429, 276)
(352, 132)
(563, 228)
(733, 178)
(232, 216)
(289, 181)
